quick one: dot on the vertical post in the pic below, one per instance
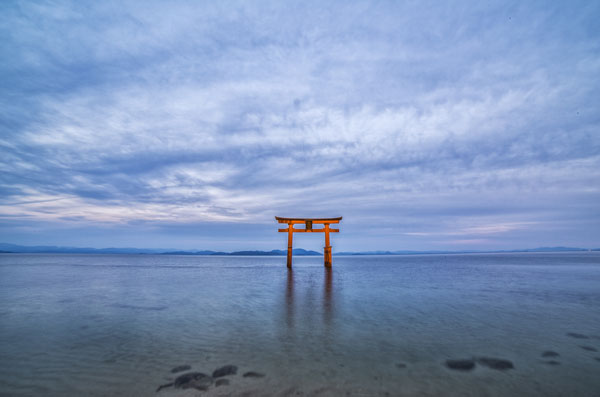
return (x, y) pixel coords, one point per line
(327, 250)
(289, 252)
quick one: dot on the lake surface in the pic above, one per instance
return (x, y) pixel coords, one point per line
(115, 325)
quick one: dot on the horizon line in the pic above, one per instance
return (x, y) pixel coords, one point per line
(8, 248)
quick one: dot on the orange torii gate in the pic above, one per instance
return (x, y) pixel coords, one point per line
(308, 228)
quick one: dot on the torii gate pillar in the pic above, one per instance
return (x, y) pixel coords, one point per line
(308, 223)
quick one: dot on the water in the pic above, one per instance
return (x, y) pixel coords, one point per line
(115, 325)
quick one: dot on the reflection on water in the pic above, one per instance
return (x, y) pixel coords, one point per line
(327, 297)
(309, 303)
(289, 299)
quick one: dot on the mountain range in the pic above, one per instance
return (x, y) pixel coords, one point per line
(47, 249)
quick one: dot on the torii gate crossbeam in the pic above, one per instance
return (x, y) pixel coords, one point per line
(308, 228)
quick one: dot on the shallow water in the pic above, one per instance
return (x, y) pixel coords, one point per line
(381, 325)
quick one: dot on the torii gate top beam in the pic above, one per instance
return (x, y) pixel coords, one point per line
(303, 220)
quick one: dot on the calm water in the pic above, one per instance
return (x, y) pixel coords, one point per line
(116, 324)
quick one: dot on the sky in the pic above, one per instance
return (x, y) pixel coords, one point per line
(427, 125)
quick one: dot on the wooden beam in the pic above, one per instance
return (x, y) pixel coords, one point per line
(289, 251)
(327, 248)
(309, 231)
(313, 220)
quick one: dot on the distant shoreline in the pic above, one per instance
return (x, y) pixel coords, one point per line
(18, 249)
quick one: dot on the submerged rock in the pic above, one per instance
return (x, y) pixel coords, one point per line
(224, 371)
(400, 365)
(495, 363)
(221, 382)
(461, 364)
(552, 362)
(589, 348)
(252, 374)
(196, 380)
(181, 368)
(577, 336)
(550, 353)
(163, 386)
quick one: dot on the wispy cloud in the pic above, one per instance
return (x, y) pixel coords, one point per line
(420, 119)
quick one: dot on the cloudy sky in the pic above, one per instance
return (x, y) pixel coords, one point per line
(187, 124)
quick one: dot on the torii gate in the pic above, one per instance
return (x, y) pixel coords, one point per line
(308, 228)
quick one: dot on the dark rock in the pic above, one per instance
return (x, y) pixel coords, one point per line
(589, 348)
(400, 365)
(224, 371)
(552, 362)
(597, 358)
(181, 368)
(222, 382)
(163, 386)
(495, 363)
(196, 380)
(461, 364)
(550, 353)
(253, 374)
(577, 336)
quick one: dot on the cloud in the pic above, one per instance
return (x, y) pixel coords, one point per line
(409, 117)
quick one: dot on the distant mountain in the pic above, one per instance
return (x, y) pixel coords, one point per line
(540, 249)
(47, 249)
(191, 253)
(254, 253)
(402, 252)
(550, 249)
(295, 251)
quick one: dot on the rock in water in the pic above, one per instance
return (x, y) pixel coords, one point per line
(400, 365)
(180, 368)
(253, 374)
(589, 348)
(577, 336)
(163, 386)
(552, 362)
(461, 364)
(196, 380)
(224, 371)
(495, 363)
(550, 353)
(222, 382)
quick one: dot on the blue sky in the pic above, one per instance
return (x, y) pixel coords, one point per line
(188, 124)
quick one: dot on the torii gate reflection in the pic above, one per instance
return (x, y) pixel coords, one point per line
(290, 298)
(308, 228)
